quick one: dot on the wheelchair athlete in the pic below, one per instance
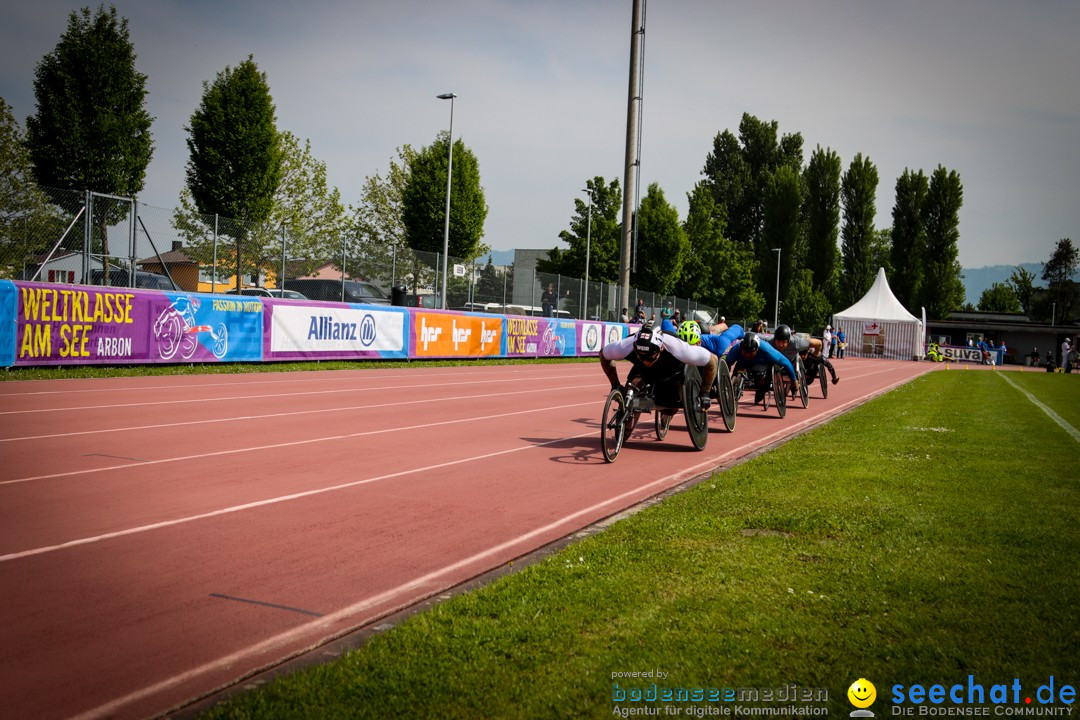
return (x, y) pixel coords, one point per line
(658, 360)
(791, 345)
(757, 357)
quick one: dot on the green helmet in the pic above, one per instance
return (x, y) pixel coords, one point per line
(690, 332)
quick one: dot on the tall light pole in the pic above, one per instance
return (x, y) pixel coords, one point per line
(588, 248)
(449, 174)
(776, 310)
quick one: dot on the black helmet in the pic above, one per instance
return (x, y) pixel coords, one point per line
(750, 344)
(782, 332)
(648, 342)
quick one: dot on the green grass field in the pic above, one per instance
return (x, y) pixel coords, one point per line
(929, 535)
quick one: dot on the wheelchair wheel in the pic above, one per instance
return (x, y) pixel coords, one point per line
(804, 391)
(780, 390)
(738, 384)
(613, 425)
(823, 380)
(697, 420)
(632, 421)
(725, 394)
(663, 423)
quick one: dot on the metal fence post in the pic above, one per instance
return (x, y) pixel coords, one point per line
(213, 270)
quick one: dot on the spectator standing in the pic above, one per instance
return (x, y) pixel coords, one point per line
(1065, 348)
(841, 342)
(639, 311)
(826, 342)
(548, 300)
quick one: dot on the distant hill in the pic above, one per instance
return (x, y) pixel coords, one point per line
(978, 279)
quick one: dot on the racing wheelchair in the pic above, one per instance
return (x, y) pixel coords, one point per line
(775, 388)
(625, 405)
(815, 370)
(723, 392)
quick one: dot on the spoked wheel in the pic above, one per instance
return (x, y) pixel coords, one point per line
(631, 422)
(804, 390)
(823, 380)
(738, 384)
(613, 425)
(697, 420)
(780, 390)
(725, 394)
(663, 423)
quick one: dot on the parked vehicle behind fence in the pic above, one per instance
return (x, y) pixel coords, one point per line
(356, 291)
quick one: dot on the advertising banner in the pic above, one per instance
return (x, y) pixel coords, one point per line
(592, 338)
(334, 331)
(205, 328)
(9, 298)
(71, 325)
(436, 334)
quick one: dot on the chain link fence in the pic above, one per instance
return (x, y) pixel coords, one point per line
(69, 236)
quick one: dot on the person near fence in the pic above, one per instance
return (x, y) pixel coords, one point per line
(624, 316)
(841, 342)
(548, 300)
(639, 311)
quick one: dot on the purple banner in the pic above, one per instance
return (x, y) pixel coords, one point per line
(73, 325)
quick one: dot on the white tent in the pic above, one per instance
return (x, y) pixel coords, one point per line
(879, 326)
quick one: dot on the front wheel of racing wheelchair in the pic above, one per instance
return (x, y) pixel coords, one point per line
(723, 391)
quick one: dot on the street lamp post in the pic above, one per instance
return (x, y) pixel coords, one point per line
(776, 309)
(449, 174)
(588, 248)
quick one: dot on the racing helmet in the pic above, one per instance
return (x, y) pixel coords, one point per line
(690, 332)
(750, 344)
(649, 342)
(782, 332)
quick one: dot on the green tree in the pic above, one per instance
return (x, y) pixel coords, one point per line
(943, 286)
(307, 209)
(376, 234)
(424, 201)
(909, 238)
(662, 244)
(1022, 282)
(718, 271)
(28, 223)
(783, 208)
(1058, 273)
(881, 251)
(999, 297)
(805, 307)
(235, 158)
(606, 235)
(858, 192)
(91, 130)
(821, 209)
(738, 172)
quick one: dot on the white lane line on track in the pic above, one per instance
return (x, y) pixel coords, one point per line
(274, 379)
(330, 438)
(333, 391)
(327, 622)
(284, 498)
(292, 413)
(392, 595)
(1052, 415)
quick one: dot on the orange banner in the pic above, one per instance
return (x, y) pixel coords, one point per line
(439, 335)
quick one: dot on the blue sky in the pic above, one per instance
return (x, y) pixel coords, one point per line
(984, 87)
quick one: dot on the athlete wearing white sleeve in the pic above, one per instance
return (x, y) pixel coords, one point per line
(658, 359)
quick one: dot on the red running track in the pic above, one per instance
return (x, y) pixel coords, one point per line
(164, 537)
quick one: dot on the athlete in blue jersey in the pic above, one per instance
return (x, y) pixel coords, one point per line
(757, 357)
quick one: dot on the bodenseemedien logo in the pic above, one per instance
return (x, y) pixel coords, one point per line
(862, 694)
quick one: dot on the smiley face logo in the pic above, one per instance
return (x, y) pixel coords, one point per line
(862, 693)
